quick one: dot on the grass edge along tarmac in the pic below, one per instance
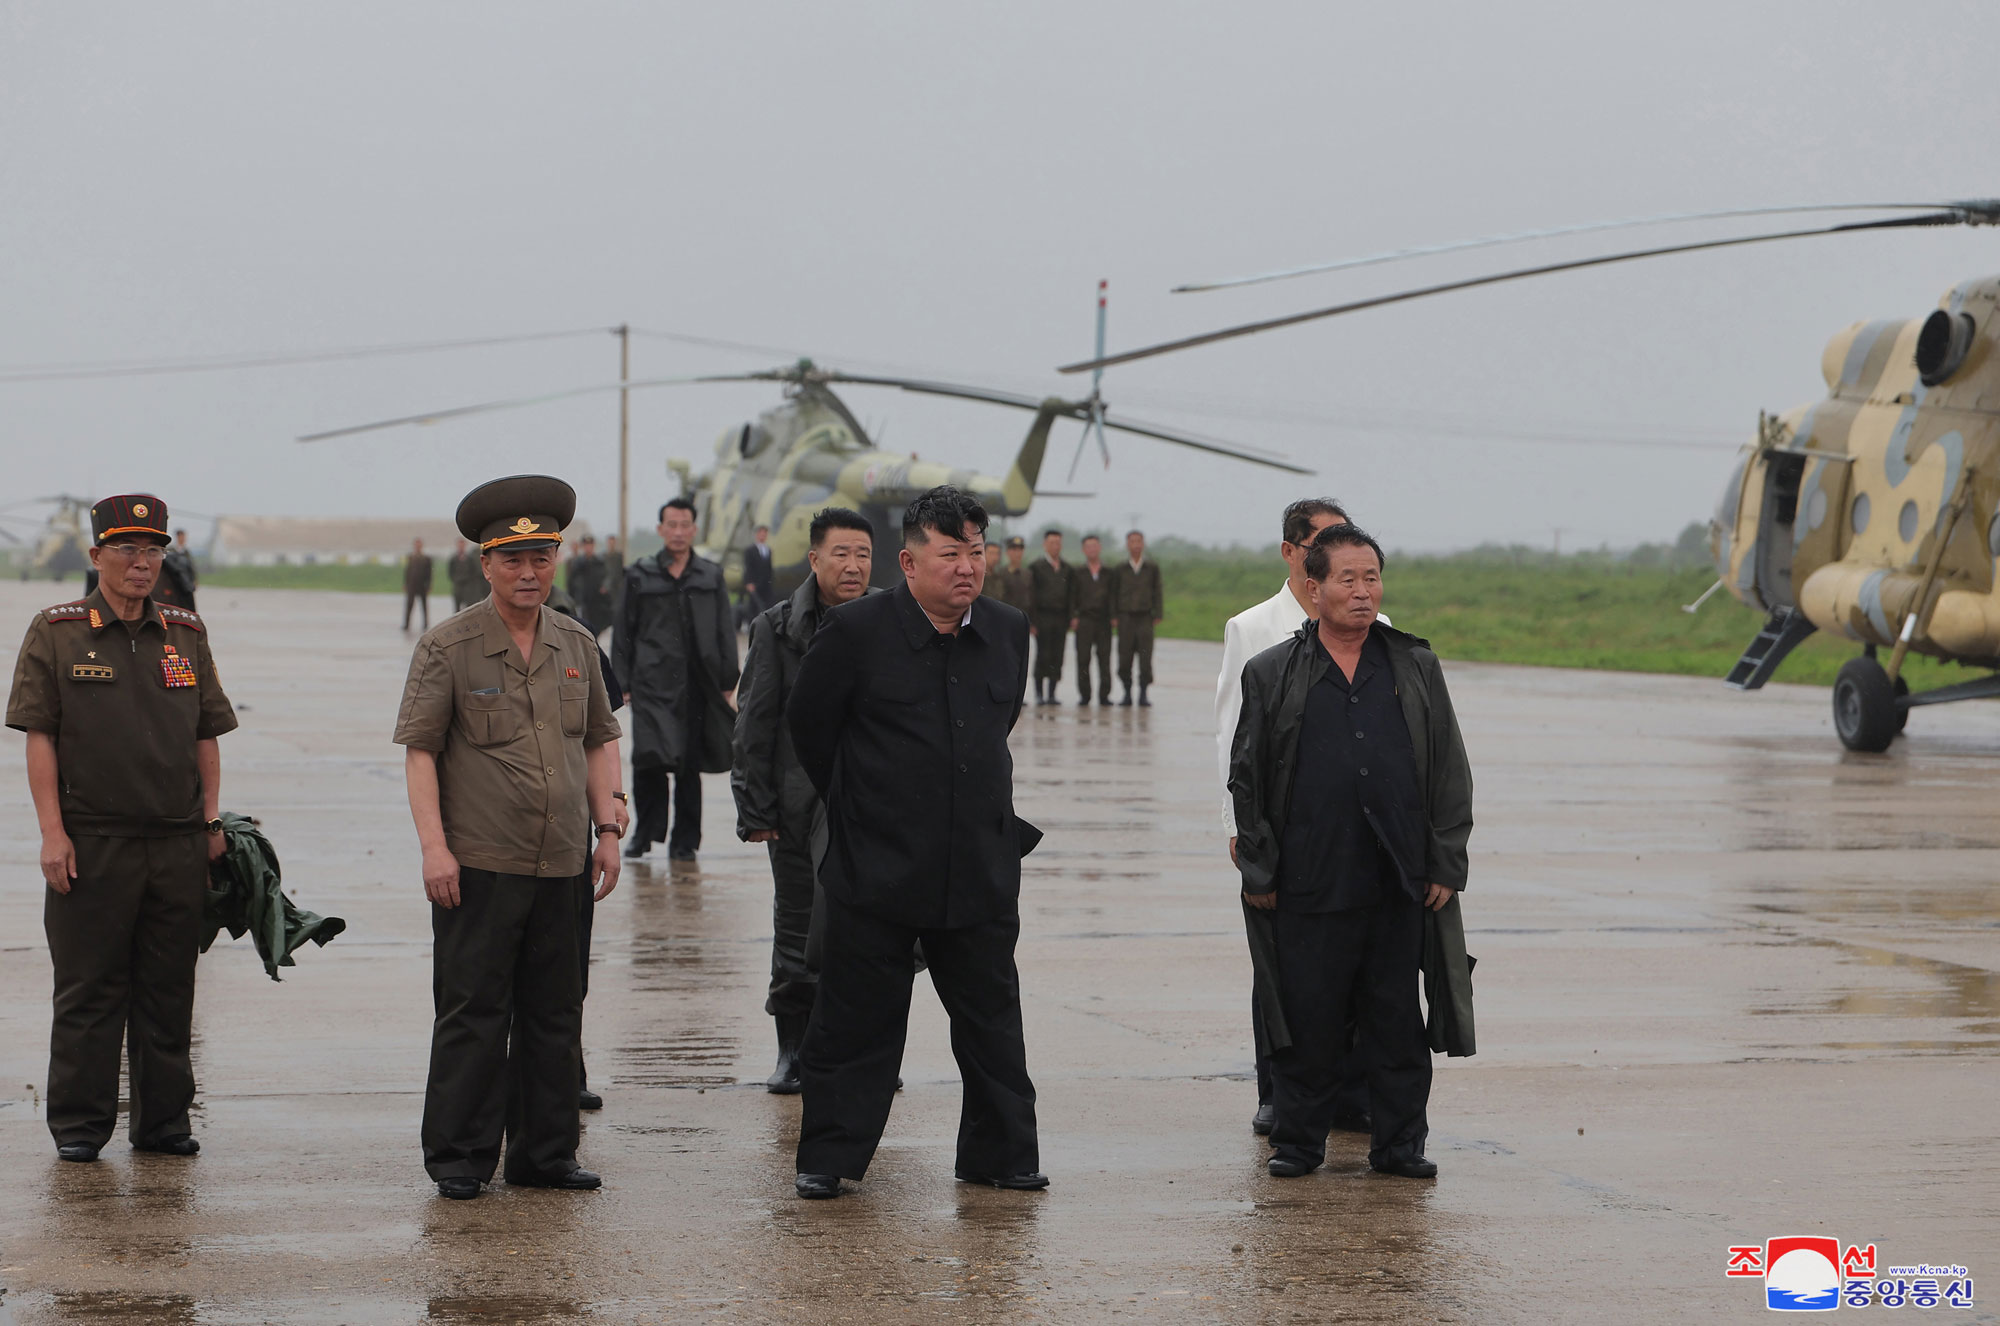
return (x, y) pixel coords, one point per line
(1587, 610)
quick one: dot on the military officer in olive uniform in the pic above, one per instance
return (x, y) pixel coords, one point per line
(122, 707)
(1142, 602)
(468, 583)
(1091, 597)
(513, 773)
(1009, 581)
(1051, 611)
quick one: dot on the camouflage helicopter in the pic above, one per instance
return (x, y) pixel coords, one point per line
(1873, 515)
(60, 543)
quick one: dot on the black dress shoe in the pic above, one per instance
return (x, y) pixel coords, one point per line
(1265, 1119)
(681, 855)
(586, 1099)
(1016, 1182)
(1354, 1123)
(1407, 1167)
(817, 1187)
(1126, 703)
(172, 1146)
(636, 849)
(576, 1180)
(458, 1189)
(1284, 1167)
(80, 1152)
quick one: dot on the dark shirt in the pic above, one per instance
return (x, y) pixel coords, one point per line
(1356, 811)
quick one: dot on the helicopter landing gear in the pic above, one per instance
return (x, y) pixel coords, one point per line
(1865, 712)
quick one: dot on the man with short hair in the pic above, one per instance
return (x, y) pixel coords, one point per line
(468, 582)
(775, 801)
(900, 717)
(177, 575)
(1012, 583)
(1052, 596)
(512, 767)
(759, 575)
(1353, 801)
(1142, 602)
(417, 583)
(1091, 601)
(583, 577)
(995, 587)
(126, 775)
(674, 648)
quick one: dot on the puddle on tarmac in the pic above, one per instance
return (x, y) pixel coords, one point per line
(689, 1059)
(513, 1308)
(155, 1310)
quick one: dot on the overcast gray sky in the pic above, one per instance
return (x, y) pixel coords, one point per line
(938, 187)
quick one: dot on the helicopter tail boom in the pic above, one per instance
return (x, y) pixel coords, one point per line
(1017, 491)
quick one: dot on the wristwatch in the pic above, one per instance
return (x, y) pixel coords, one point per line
(213, 826)
(612, 829)
(618, 796)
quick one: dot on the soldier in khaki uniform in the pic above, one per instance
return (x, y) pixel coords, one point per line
(1013, 584)
(513, 775)
(122, 707)
(1051, 614)
(1142, 602)
(1091, 592)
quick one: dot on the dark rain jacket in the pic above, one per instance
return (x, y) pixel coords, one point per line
(772, 789)
(677, 677)
(246, 894)
(905, 738)
(1263, 760)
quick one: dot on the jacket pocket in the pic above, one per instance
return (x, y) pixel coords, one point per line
(1001, 692)
(490, 720)
(574, 697)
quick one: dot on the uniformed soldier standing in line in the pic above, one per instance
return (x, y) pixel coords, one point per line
(1015, 582)
(1052, 613)
(775, 801)
(177, 575)
(468, 583)
(1091, 590)
(122, 708)
(417, 583)
(513, 773)
(1142, 602)
(995, 587)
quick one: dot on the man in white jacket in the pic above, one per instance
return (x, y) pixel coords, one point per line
(1248, 634)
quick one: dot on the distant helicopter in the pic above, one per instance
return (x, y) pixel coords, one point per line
(59, 541)
(811, 451)
(1873, 514)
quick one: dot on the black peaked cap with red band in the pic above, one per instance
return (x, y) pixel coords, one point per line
(520, 512)
(127, 514)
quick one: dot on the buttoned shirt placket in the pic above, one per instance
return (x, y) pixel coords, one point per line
(545, 712)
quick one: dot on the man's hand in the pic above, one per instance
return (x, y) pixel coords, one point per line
(218, 843)
(1263, 902)
(604, 866)
(761, 836)
(623, 818)
(441, 877)
(628, 699)
(58, 860)
(1232, 853)
(1436, 896)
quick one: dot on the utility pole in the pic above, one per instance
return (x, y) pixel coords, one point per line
(624, 334)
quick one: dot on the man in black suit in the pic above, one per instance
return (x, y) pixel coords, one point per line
(900, 717)
(758, 575)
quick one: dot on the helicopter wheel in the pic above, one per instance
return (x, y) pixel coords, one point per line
(1864, 706)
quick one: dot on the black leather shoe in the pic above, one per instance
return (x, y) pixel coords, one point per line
(1015, 1182)
(586, 1099)
(80, 1152)
(172, 1146)
(1126, 703)
(1354, 1123)
(817, 1187)
(1283, 1167)
(1265, 1119)
(1407, 1167)
(459, 1190)
(636, 849)
(576, 1180)
(1143, 701)
(1104, 700)
(681, 856)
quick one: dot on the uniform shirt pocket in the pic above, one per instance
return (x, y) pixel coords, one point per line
(575, 698)
(490, 720)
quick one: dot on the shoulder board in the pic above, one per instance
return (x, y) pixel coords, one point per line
(68, 612)
(179, 617)
(455, 629)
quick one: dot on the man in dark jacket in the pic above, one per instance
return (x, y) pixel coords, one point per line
(468, 582)
(775, 801)
(759, 574)
(900, 717)
(417, 583)
(1135, 587)
(1092, 597)
(1052, 594)
(1353, 802)
(674, 647)
(583, 577)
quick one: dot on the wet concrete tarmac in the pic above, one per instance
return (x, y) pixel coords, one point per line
(1733, 984)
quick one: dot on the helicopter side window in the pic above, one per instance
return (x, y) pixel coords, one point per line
(753, 440)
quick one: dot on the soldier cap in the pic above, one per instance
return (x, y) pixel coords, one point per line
(1017, 542)
(129, 513)
(518, 513)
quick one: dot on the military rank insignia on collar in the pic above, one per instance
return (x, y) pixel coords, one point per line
(96, 622)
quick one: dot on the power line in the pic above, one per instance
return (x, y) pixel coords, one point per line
(121, 368)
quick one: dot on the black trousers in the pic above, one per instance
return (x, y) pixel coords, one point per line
(414, 599)
(586, 913)
(650, 804)
(1328, 963)
(124, 941)
(504, 1048)
(1350, 1097)
(1135, 640)
(1049, 638)
(854, 1043)
(1093, 638)
(794, 977)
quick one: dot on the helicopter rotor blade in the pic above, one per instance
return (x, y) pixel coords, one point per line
(1957, 216)
(1553, 232)
(512, 403)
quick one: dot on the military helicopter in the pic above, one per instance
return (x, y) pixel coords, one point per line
(1873, 514)
(59, 543)
(811, 451)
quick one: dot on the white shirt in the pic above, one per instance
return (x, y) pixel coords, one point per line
(1248, 634)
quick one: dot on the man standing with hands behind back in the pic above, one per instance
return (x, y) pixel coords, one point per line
(900, 717)
(1054, 609)
(513, 772)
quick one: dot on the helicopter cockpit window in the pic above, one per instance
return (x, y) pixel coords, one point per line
(754, 439)
(1942, 345)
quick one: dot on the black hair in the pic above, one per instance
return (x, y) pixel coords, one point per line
(673, 504)
(947, 510)
(1339, 536)
(1299, 517)
(1088, 537)
(1047, 532)
(837, 517)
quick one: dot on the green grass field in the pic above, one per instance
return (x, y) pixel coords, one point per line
(1583, 611)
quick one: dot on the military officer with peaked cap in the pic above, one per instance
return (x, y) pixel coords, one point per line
(122, 707)
(513, 772)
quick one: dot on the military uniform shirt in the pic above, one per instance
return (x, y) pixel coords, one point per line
(126, 703)
(510, 740)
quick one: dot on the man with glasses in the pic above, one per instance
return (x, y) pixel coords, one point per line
(122, 707)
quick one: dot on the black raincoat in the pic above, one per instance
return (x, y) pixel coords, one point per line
(674, 645)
